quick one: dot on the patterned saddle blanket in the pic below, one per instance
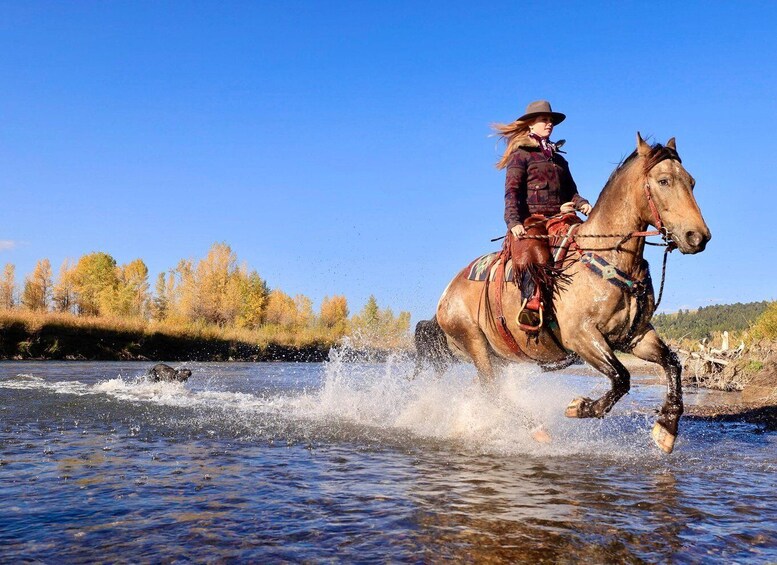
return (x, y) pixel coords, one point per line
(484, 268)
(559, 228)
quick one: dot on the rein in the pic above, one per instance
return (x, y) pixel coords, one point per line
(660, 230)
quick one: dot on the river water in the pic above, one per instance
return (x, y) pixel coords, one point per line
(343, 461)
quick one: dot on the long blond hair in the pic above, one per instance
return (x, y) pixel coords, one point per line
(512, 134)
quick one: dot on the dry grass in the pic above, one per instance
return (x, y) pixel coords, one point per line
(263, 336)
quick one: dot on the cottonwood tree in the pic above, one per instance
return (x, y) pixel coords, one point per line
(281, 309)
(64, 293)
(160, 305)
(254, 294)
(130, 296)
(304, 306)
(333, 314)
(38, 286)
(95, 280)
(214, 290)
(8, 288)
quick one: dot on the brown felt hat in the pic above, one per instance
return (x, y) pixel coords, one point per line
(538, 107)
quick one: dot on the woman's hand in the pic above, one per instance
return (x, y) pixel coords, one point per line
(518, 230)
(585, 208)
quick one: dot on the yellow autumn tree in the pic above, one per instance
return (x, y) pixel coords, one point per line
(214, 290)
(333, 314)
(281, 309)
(38, 286)
(64, 294)
(95, 280)
(253, 291)
(304, 307)
(218, 287)
(130, 296)
(181, 293)
(8, 288)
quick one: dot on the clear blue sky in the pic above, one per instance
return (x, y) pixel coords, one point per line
(342, 147)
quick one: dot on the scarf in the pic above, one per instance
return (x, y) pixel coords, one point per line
(546, 145)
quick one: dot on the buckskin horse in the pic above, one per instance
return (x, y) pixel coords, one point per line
(607, 300)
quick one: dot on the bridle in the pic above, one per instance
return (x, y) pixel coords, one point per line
(660, 228)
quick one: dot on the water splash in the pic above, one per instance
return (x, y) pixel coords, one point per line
(456, 408)
(354, 400)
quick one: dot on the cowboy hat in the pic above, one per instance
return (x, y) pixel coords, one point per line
(538, 107)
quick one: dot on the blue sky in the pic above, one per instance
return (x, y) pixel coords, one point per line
(343, 148)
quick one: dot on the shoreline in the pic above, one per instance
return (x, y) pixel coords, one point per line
(60, 342)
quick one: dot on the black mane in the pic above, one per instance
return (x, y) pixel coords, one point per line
(657, 154)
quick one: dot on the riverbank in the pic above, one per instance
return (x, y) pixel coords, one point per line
(754, 403)
(61, 339)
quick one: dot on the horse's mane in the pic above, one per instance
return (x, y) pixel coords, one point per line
(657, 154)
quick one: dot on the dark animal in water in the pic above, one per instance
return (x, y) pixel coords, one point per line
(165, 373)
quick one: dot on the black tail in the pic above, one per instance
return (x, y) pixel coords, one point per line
(431, 347)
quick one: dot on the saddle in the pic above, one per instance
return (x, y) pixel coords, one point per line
(536, 260)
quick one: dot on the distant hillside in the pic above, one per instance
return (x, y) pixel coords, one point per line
(697, 324)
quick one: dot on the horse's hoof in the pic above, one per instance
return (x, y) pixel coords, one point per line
(664, 440)
(540, 435)
(576, 408)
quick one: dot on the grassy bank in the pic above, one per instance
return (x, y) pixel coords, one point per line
(27, 335)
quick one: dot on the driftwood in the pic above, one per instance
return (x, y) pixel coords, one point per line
(705, 366)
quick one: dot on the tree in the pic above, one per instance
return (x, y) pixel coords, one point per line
(373, 327)
(160, 306)
(370, 313)
(64, 294)
(130, 296)
(334, 314)
(254, 294)
(304, 306)
(38, 287)
(95, 280)
(281, 309)
(8, 288)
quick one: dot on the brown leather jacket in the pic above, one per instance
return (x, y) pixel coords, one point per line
(536, 184)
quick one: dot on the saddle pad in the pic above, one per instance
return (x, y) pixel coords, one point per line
(478, 270)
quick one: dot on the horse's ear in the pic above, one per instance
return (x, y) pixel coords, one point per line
(671, 144)
(642, 147)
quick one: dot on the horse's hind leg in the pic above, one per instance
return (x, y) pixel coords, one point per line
(475, 345)
(431, 347)
(593, 348)
(651, 348)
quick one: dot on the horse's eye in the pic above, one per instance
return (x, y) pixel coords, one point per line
(663, 182)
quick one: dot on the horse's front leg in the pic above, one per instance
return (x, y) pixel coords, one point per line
(591, 346)
(650, 347)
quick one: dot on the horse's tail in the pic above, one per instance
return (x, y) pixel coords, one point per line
(431, 347)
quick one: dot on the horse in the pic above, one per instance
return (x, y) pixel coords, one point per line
(607, 299)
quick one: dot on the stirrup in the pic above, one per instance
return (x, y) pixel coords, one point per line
(529, 327)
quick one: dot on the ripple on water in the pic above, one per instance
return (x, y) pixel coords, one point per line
(357, 462)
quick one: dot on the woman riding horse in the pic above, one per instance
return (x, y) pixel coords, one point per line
(537, 183)
(607, 301)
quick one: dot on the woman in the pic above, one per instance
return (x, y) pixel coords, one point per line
(538, 185)
(538, 179)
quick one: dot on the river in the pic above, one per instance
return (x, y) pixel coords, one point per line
(354, 462)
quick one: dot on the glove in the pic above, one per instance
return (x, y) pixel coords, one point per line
(567, 208)
(518, 230)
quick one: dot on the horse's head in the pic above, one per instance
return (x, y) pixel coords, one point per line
(671, 189)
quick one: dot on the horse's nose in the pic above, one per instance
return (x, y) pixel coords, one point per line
(698, 240)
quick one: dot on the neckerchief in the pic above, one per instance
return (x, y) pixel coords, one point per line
(547, 146)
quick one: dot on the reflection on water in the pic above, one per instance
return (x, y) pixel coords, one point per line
(269, 462)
